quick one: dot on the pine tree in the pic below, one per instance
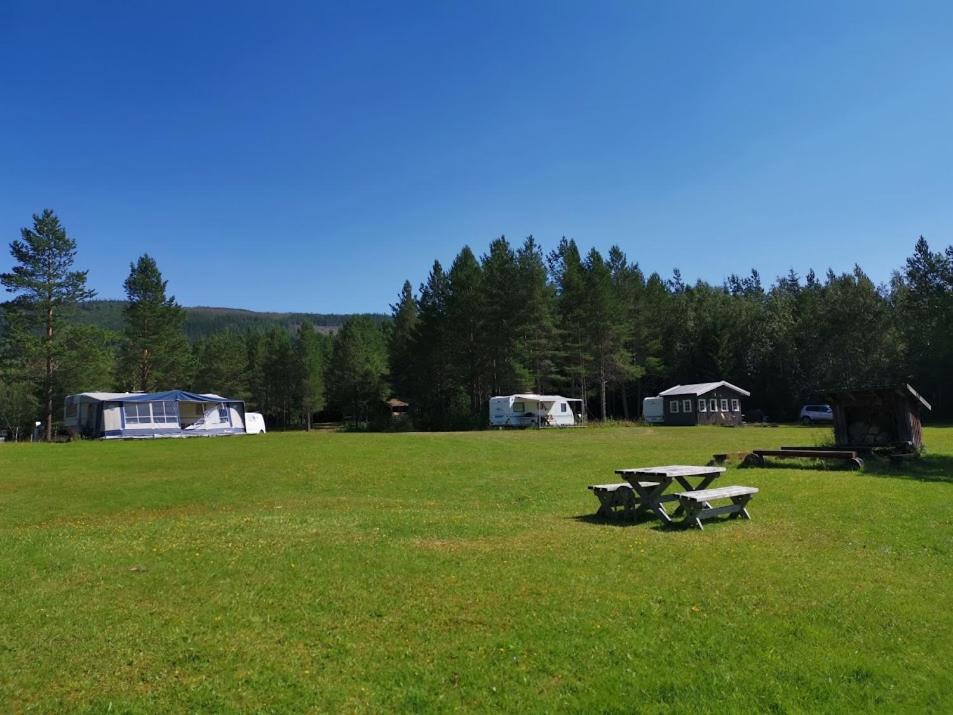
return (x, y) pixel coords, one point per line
(400, 342)
(46, 288)
(357, 370)
(155, 352)
(464, 323)
(310, 351)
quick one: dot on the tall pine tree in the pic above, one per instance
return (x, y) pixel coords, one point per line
(46, 288)
(155, 352)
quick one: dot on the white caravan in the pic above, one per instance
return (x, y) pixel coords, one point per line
(533, 411)
(653, 410)
(254, 423)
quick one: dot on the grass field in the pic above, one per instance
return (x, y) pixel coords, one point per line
(430, 572)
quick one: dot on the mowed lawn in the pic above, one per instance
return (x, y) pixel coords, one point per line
(430, 572)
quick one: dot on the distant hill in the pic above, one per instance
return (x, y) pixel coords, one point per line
(202, 321)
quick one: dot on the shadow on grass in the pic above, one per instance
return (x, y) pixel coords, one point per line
(928, 468)
(653, 523)
(620, 521)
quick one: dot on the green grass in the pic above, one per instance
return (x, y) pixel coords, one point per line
(430, 572)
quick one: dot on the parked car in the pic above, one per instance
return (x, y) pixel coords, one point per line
(811, 414)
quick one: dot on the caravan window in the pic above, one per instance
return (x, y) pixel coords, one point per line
(519, 407)
(137, 413)
(164, 412)
(563, 407)
(72, 406)
(223, 413)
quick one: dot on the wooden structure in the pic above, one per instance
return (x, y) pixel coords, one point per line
(614, 497)
(697, 507)
(705, 403)
(651, 483)
(397, 408)
(878, 417)
(756, 457)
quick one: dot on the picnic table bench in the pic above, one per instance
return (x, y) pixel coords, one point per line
(615, 496)
(697, 504)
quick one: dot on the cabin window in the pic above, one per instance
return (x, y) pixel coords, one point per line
(713, 405)
(519, 407)
(724, 404)
(686, 405)
(702, 405)
(735, 406)
(673, 406)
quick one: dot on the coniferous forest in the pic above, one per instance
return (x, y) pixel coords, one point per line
(518, 317)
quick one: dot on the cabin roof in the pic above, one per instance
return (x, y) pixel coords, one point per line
(700, 388)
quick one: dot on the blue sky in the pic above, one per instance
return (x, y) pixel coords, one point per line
(284, 156)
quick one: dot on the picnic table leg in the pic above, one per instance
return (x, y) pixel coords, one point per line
(741, 502)
(703, 484)
(651, 500)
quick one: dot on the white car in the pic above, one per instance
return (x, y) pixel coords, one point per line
(811, 414)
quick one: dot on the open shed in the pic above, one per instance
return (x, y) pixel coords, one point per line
(865, 418)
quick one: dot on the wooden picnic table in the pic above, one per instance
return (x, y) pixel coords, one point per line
(651, 483)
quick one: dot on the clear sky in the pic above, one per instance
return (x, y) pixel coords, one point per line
(311, 156)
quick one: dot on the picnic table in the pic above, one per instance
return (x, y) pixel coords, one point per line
(651, 483)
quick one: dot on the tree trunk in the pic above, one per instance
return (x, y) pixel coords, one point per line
(602, 393)
(49, 374)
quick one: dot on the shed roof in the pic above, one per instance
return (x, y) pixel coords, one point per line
(858, 393)
(700, 388)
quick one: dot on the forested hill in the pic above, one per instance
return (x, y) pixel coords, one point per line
(202, 321)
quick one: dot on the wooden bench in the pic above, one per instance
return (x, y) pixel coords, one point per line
(756, 458)
(613, 496)
(697, 504)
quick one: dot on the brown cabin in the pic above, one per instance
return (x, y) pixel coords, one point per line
(865, 418)
(705, 403)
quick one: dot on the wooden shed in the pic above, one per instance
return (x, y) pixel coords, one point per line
(867, 418)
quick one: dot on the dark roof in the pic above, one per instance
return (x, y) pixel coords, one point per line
(857, 393)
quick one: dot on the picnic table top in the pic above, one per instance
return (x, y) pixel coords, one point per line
(672, 471)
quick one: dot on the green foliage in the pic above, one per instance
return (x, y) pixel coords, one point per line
(202, 322)
(155, 354)
(46, 289)
(330, 572)
(357, 369)
(311, 352)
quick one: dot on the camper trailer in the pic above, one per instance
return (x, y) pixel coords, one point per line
(653, 410)
(175, 413)
(533, 411)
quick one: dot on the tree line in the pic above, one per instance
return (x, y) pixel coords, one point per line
(516, 318)
(598, 327)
